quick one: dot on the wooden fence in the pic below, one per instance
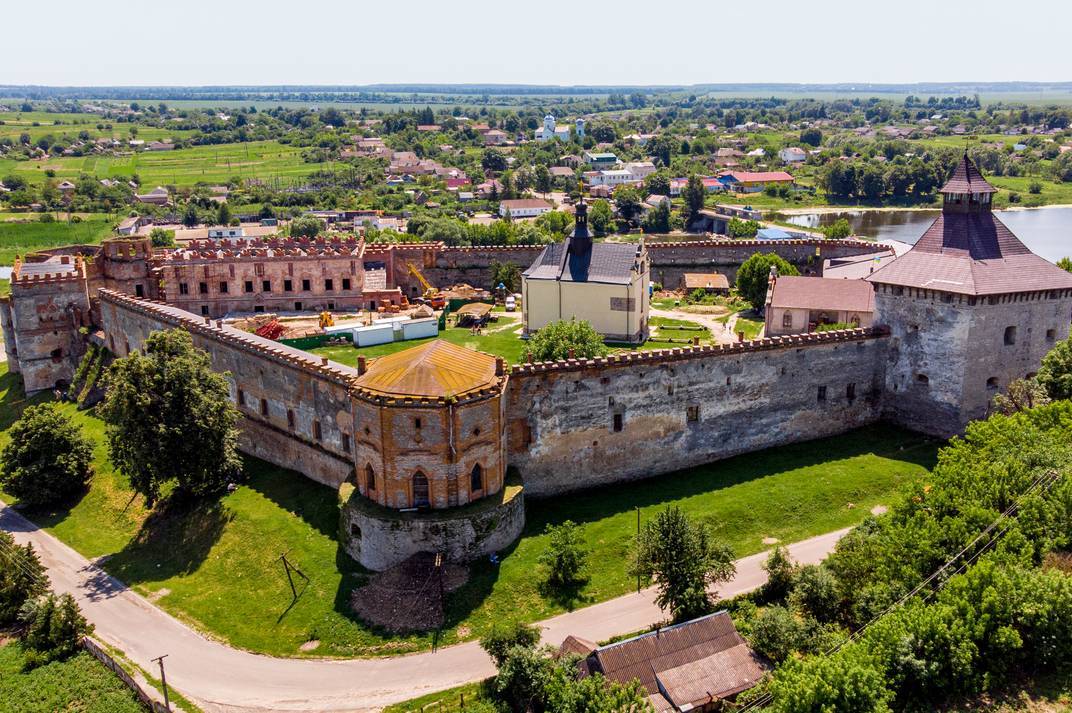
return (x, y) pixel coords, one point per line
(143, 696)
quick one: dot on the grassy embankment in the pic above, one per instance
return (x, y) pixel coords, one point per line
(216, 565)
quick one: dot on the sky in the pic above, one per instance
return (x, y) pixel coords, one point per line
(562, 42)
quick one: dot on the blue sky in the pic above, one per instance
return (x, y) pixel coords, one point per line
(107, 42)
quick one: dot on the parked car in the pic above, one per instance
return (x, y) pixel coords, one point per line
(511, 303)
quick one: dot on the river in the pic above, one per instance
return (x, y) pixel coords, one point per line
(1046, 231)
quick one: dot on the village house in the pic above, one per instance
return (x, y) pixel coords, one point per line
(793, 154)
(600, 160)
(157, 196)
(754, 182)
(495, 137)
(524, 208)
(713, 283)
(605, 284)
(796, 305)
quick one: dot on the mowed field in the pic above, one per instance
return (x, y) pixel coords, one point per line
(41, 123)
(22, 238)
(257, 159)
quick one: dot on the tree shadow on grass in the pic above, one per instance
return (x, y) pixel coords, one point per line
(13, 399)
(317, 505)
(174, 540)
(569, 596)
(596, 504)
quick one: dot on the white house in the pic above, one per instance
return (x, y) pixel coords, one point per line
(226, 232)
(792, 154)
(524, 208)
(640, 169)
(615, 177)
(550, 131)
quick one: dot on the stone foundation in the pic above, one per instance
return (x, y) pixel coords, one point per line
(379, 538)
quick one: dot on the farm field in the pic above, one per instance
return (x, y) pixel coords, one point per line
(181, 167)
(21, 238)
(40, 123)
(216, 564)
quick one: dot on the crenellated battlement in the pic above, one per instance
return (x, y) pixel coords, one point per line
(732, 243)
(65, 270)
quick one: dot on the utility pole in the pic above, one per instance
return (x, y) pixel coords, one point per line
(163, 680)
(638, 547)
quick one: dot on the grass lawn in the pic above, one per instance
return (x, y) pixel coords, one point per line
(22, 238)
(80, 683)
(457, 699)
(216, 565)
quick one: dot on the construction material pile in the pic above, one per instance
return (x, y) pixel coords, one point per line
(409, 596)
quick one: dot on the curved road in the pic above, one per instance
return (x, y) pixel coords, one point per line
(220, 678)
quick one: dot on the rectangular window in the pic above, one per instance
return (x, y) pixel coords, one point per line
(1051, 334)
(266, 286)
(202, 287)
(329, 284)
(184, 289)
(822, 393)
(258, 308)
(331, 305)
(1010, 335)
(139, 291)
(204, 310)
(346, 283)
(850, 392)
(345, 442)
(241, 397)
(692, 414)
(288, 286)
(223, 288)
(249, 286)
(617, 422)
(290, 419)
(297, 306)
(305, 285)
(317, 433)
(264, 407)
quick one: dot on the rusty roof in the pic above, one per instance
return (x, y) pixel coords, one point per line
(822, 293)
(724, 663)
(473, 309)
(706, 280)
(437, 369)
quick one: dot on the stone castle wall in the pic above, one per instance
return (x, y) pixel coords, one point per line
(586, 423)
(296, 408)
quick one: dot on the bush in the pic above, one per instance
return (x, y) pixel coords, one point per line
(815, 591)
(162, 238)
(21, 577)
(777, 633)
(53, 628)
(47, 459)
(566, 556)
(505, 636)
(838, 230)
(781, 573)
(305, 226)
(1055, 374)
(1034, 188)
(46, 218)
(557, 339)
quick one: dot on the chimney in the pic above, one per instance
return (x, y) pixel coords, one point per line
(500, 366)
(208, 321)
(572, 354)
(360, 365)
(219, 324)
(695, 341)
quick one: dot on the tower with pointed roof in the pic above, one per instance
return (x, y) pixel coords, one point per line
(970, 309)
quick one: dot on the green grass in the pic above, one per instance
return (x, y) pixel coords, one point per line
(80, 683)
(457, 699)
(23, 238)
(216, 565)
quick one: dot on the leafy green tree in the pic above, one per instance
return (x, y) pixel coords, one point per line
(493, 160)
(658, 184)
(628, 200)
(1021, 394)
(223, 214)
(600, 217)
(47, 459)
(505, 636)
(542, 179)
(505, 273)
(870, 181)
(53, 628)
(170, 419)
(1055, 374)
(838, 230)
(777, 633)
(694, 194)
(738, 228)
(162, 237)
(306, 226)
(22, 577)
(566, 557)
(816, 592)
(558, 340)
(658, 219)
(189, 216)
(844, 684)
(811, 137)
(754, 273)
(781, 574)
(684, 560)
(1065, 264)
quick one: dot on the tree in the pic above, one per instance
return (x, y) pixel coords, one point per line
(695, 194)
(816, 592)
(22, 577)
(600, 217)
(657, 184)
(493, 160)
(53, 628)
(223, 214)
(566, 557)
(305, 226)
(565, 339)
(777, 633)
(658, 219)
(162, 237)
(170, 419)
(505, 273)
(754, 273)
(844, 684)
(781, 573)
(542, 179)
(1055, 374)
(47, 458)
(628, 200)
(684, 560)
(189, 216)
(508, 635)
(838, 230)
(811, 137)
(1021, 395)
(738, 228)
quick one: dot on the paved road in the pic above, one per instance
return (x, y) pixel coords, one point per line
(220, 678)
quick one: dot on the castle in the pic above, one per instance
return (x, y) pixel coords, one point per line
(435, 448)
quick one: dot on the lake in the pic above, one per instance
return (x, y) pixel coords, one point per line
(1046, 231)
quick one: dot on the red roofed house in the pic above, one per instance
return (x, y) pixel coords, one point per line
(969, 308)
(797, 305)
(755, 182)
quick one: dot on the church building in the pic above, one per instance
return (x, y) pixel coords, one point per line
(605, 284)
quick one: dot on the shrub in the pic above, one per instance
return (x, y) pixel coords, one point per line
(838, 230)
(777, 633)
(1055, 374)
(46, 218)
(21, 577)
(566, 556)
(557, 339)
(781, 573)
(53, 628)
(47, 459)
(162, 238)
(1034, 188)
(815, 591)
(504, 636)
(305, 226)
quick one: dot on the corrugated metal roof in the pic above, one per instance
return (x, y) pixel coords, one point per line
(437, 369)
(719, 675)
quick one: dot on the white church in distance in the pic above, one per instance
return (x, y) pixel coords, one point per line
(562, 133)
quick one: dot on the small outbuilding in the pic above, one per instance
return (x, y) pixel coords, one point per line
(713, 283)
(797, 305)
(474, 314)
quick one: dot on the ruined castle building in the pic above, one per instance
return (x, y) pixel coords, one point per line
(431, 427)
(970, 309)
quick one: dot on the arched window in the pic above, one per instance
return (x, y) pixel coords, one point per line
(855, 320)
(787, 320)
(370, 479)
(476, 478)
(992, 382)
(420, 490)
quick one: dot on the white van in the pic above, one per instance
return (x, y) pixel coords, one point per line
(511, 303)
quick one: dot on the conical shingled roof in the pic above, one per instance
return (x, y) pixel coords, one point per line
(967, 179)
(435, 370)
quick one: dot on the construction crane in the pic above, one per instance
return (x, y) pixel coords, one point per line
(431, 294)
